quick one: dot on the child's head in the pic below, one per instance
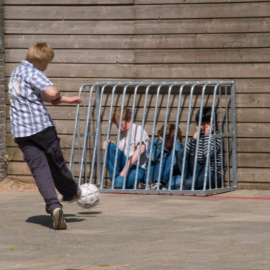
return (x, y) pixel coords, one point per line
(206, 118)
(126, 119)
(169, 135)
(40, 54)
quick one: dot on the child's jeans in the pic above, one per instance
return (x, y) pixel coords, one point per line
(165, 173)
(44, 157)
(200, 172)
(120, 164)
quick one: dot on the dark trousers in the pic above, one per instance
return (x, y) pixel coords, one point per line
(44, 157)
(199, 174)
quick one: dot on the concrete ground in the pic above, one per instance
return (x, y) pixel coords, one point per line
(228, 231)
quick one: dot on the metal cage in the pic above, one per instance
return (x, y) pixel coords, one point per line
(155, 104)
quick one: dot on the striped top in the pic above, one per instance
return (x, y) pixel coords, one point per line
(28, 114)
(215, 151)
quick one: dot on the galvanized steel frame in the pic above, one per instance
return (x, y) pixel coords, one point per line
(99, 88)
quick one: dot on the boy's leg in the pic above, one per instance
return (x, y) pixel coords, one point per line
(166, 169)
(175, 184)
(63, 179)
(130, 180)
(180, 161)
(199, 178)
(110, 159)
(151, 174)
(38, 164)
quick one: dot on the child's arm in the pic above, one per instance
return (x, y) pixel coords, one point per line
(133, 158)
(52, 95)
(74, 100)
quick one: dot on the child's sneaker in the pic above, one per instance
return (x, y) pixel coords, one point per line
(58, 220)
(155, 186)
(141, 185)
(74, 198)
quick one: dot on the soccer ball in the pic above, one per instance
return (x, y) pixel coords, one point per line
(89, 196)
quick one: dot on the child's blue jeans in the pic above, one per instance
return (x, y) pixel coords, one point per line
(200, 172)
(120, 164)
(165, 173)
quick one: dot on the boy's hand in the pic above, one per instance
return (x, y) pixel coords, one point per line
(122, 173)
(75, 99)
(207, 129)
(105, 143)
(195, 135)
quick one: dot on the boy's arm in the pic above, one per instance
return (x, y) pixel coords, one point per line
(133, 158)
(74, 100)
(52, 95)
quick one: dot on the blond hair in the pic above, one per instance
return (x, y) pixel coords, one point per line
(40, 53)
(170, 130)
(126, 116)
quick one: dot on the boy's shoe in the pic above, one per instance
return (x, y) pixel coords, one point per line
(141, 185)
(110, 187)
(155, 186)
(74, 198)
(58, 219)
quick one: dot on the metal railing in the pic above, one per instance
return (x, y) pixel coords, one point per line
(155, 104)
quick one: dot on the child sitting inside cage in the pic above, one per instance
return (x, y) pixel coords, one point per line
(156, 156)
(213, 169)
(130, 150)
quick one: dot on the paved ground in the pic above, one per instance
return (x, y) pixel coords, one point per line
(138, 232)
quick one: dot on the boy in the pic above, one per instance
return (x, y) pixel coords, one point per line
(166, 158)
(123, 154)
(215, 154)
(34, 131)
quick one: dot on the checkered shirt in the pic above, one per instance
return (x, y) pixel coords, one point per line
(28, 115)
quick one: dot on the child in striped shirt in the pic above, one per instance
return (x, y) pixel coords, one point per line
(213, 172)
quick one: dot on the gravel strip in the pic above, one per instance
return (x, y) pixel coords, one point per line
(10, 184)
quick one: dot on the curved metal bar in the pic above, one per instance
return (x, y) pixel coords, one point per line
(153, 129)
(187, 132)
(141, 136)
(176, 131)
(198, 139)
(97, 132)
(74, 131)
(210, 137)
(108, 133)
(85, 133)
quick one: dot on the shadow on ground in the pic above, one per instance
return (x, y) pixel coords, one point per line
(46, 220)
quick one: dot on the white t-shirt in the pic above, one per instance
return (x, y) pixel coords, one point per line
(134, 141)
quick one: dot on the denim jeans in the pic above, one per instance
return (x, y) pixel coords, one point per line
(165, 173)
(120, 164)
(199, 174)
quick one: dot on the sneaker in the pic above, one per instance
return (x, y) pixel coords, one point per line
(74, 198)
(154, 185)
(58, 220)
(141, 185)
(110, 187)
